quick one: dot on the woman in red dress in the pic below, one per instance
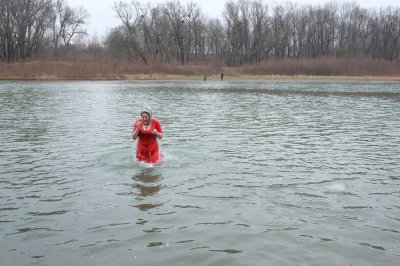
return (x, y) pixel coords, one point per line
(147, 129)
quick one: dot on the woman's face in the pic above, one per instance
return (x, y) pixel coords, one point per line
(145, 118)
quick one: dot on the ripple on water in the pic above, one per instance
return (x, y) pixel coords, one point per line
(261, 172)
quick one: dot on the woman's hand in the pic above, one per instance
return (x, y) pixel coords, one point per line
(157, 134)
(135, 132)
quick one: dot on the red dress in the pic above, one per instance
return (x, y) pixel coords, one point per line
(147, 146)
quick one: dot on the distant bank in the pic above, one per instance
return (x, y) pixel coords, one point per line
(319, 70)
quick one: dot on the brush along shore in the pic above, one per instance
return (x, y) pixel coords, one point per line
(284, 70)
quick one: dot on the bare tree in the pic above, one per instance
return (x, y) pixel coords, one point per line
(351, 29)
(280, 31)
(62, 19)
(75, 27)
(321, 31)
(68, 25)
(27, 23)
(215, 39)
(194, 30)
(390, 32)
(118, 45)
(174, 12)
(237, 32)
(8, 31)
(157, 34)
(132, 16)
(259, 42)
(25, 27)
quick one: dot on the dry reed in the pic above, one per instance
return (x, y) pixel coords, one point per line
(324, 67)
(83, 70)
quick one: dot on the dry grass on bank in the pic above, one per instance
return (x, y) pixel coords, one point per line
(322, 67)
(55, 70)
(325, 67)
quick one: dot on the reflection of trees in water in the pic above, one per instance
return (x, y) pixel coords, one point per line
(147, 184)
(147, 190)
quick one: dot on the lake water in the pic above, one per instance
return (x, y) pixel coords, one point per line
(255, 173)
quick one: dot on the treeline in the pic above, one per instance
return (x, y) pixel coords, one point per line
(30, 27)
(247, 32)
(253, 31)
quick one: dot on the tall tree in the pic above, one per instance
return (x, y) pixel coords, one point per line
(132, 16)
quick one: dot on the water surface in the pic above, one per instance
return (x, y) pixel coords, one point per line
(255, 173)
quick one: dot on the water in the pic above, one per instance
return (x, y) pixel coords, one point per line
(255, 173)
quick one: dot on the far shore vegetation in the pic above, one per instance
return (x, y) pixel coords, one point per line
(306, 69)
(251, 39)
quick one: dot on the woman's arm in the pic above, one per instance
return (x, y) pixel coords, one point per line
(136, 129)
(157, 134)
(157, 129)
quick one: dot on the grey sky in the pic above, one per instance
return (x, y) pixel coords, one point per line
(102, 17)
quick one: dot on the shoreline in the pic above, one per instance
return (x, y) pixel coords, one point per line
(273, 71)
(260, 78)
(214, 78)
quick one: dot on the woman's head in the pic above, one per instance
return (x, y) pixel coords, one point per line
(146, 114)
(146, 109)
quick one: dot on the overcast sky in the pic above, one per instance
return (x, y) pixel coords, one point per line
(102, 17)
